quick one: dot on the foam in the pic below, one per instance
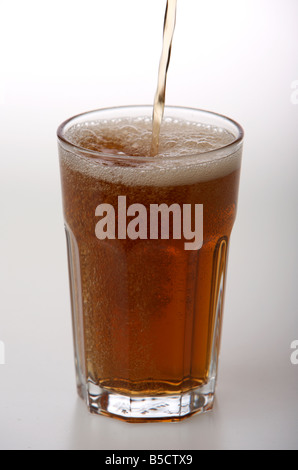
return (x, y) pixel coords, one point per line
(182, 157)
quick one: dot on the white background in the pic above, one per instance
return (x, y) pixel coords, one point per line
(59, 58)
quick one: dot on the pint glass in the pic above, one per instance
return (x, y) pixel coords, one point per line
(148, 241)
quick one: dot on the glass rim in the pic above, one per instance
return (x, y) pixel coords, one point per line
(226, 150)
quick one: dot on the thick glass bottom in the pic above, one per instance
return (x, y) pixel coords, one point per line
(148, 408)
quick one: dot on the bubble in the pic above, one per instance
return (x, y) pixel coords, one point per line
(185, 141)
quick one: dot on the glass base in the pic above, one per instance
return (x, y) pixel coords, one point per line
(152, 408)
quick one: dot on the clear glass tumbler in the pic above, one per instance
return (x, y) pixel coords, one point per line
(148, 241)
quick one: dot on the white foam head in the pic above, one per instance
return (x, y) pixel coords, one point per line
(118, 151)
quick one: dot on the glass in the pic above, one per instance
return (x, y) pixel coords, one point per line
(147, 311)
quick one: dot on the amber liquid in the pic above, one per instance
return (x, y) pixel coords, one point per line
(159, 102)
(146, 309)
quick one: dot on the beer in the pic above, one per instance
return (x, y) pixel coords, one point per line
(160, 96)
(147, 312)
